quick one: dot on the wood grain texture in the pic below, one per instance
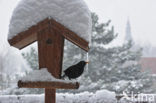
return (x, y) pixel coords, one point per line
(70, 35)
(50, 95)
(50, 36)
(29, 36)
(49, 85)
(51, 55)
(50, 49)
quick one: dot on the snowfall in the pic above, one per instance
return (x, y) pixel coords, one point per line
(36, 75)
(101, 96)
(74, 14)
(85, 97)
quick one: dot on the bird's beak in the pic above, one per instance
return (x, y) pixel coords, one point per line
(87, 62)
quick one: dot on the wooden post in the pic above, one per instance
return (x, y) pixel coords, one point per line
(49, 85)
(50, 49)
(50, 36)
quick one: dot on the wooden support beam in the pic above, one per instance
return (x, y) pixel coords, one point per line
(50, 49)
(48, 85)
(70, 35)
(50, 95)
(29, 36)
(50, 36)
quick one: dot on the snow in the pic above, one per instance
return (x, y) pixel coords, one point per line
(129, 63)
(74, 14)
(102, 96)
(11, 60)
(41, 75)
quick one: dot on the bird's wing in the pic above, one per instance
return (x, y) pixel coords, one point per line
(71, 68)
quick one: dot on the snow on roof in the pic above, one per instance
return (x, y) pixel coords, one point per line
(74, 14)
(41, 75)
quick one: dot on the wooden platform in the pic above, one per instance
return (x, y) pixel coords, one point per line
(49, 85)
(50, 36)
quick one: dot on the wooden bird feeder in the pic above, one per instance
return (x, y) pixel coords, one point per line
(50, 36)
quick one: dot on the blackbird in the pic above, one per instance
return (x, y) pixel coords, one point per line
(75, 71)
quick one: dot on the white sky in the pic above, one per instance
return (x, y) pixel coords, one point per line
(142, 15)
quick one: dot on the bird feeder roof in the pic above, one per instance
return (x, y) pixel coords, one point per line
(29, 36)
(73, 14)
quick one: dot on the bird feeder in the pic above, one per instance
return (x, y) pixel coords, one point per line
(50, 36)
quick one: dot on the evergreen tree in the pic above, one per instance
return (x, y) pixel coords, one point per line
(12, 67)
(32, 58)
(114, 68)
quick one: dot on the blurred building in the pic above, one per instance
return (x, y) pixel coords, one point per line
(148, 60)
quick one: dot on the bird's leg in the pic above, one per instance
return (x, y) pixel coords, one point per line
(63, 77)
(69, 78)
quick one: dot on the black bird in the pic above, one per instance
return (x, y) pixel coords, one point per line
(75, 71)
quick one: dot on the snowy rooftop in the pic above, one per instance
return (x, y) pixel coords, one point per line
(74, 14)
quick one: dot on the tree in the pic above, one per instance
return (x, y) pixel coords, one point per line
(12, 67)
(111, 66)
(114, 68)
(32, 58)
(101, 36)
(125, 73)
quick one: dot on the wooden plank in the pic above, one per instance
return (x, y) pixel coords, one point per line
(49, 85)
(50, 49)
(50, 95)
(29, 36)
(70, 35)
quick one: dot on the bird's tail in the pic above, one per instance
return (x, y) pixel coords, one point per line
(63, 77)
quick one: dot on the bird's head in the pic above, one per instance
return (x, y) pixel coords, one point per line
(83, 63)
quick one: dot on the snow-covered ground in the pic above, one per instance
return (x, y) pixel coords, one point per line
(102, 96)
